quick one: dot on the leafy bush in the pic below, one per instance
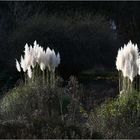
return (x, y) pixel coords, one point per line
(37, 111)
(118, 118)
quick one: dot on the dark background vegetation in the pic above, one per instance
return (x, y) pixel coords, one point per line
(80, 31)
(79, 106)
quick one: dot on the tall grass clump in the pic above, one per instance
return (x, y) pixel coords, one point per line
(42, 106)
(128, 67)
(38, 63)
(119, 117)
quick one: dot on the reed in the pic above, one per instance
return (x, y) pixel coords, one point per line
(36, 63)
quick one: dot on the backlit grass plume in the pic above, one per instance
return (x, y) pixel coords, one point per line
(127, 65)
(37, 63)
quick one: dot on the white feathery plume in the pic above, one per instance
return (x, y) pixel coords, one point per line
(120, 60)
(39, 53)
(134, 72)
(23, 65)
(28, 57)
(126, 60)
(32, 62)
(48, 57)
(29, 72)
(42, 66)
(52, 61)
(35, 44)
(127, 63)
(58, 59)
(48, 53)
(138, 65)
(34, 55)
(18, 66)
(133, 56)
(127, 69)
(26, 47)
(43, 61)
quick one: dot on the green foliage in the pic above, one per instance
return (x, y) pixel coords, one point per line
(27, 98)
(119, 118)
(38, 111)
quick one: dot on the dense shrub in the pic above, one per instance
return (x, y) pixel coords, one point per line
(118, 118)
(38, 111)
(35, 111)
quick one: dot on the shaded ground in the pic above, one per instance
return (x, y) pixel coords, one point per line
(99, 87)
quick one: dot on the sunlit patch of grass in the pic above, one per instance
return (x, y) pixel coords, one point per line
(15, 100)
